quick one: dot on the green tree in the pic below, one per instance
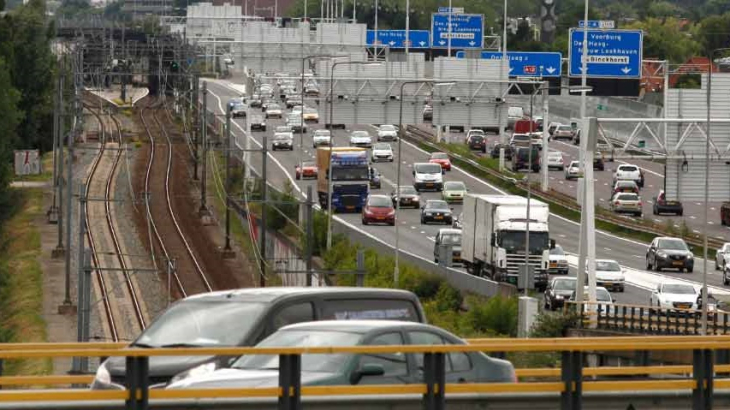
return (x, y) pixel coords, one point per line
(664, 40)
(9, 121)
(714, 33)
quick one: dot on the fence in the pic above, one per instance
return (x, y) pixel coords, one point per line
(696, 383)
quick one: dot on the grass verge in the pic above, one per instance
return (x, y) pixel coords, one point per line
(21, 281)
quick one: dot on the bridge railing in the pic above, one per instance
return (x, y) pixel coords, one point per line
(697, 378)
(650, 319)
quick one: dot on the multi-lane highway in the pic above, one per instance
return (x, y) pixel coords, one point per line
(417, 239)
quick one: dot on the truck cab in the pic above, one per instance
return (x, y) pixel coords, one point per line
(350, 177)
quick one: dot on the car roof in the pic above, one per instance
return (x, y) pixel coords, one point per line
(270, 294)
(449, 231)
(358, 326)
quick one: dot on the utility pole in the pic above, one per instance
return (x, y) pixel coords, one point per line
(67, 307)
(227, 251)
(52, 213)
(59, 251)
(195, 112)
(309, 250)
(203, 212)
(264, 199)
(76, 364)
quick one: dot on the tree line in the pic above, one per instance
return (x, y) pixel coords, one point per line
(28, 70)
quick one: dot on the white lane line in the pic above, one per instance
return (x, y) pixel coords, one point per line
(431, 238)
(607, 249)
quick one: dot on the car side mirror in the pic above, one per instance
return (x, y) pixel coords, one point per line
(443, 172)
(414, 173)
(451, 209)
(367, 369)
(692, 249)
(493, 240)
(552, 243)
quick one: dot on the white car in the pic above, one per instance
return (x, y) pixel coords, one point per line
(674, 296)
(722, 256)
(603, 298)
(274, 110)
(609, 274)
(361, 139)
(555, 160)
(573, 170)
(283, 141)
(428, 176)
(321, 137)
(630, 172)
(558, 261)
(382, 151)
(387, 132)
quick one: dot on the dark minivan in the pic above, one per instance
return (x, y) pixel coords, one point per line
(244, 317)
(521, 159)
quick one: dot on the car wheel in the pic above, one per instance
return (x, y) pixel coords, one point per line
(717, 266)
(364, 221)
(648, 265)
(680, 213)
(298, 177)
(638, 215)
(653, 211)
(423, 221)
(724, 279)
(690, 270)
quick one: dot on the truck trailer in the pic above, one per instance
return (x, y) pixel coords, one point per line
(493, 237)
(350, 177)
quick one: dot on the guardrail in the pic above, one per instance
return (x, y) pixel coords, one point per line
(423, 137)
(567, 392)
(648, 319)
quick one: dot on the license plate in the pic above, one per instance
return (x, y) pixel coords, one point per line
(553, 265)
(684, 305)
(380, 218)
(677, 263)
(429, 184)
(438, 217)
(406, 201)
(350, 207)
(671, 203)
(626, 190)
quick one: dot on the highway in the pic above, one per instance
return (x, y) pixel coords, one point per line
(418, 240)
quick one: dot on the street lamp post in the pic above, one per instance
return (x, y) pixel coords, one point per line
(332, 135)
(401, 131)
(580, 89)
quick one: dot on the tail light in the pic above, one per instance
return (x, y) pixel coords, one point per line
(640, 204)
(617, 203)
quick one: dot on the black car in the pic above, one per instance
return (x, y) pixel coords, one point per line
(214, 319)
(662, 205)
(408, 197)
(668, 253)
(521, 159)
(478, 142)
(436, 210)
(494, 153)
(558, 291)
(374, 178)
(255, 101)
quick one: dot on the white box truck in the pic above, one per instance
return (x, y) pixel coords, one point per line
(493, 237)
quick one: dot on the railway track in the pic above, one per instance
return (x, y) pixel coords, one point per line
(164, 225)
(123, 309)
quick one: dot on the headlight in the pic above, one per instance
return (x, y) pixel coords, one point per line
(197, 371)
(559, 297)
(690, 256)
(102, 375)
(661, 255)
(429, 213)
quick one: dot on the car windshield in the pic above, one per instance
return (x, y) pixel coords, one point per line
(308, 164)
(564, 284)
(520, 137)
(282, 137)
(679, 289)
(273, 107)
(359, 134)
(575, 164)
(238, 105)
(294, 118)
(627, 197)
(437, 205)
(602, 295)
(387, 128)
(628, 168)
(565, 128)
(476, 138)
(408, 190)
(282, 128)
(451, 239)
(439, 155)
(350, 174)
(325, 363)
(380, 202)
(428, 168)
(454, 186)
(558, 250)
(202, 323)
(322, 133)
(555, 154)
(476, 132)
(382, 146)
(310, 111)
(672, 244)
(514, 241)
(608, 266)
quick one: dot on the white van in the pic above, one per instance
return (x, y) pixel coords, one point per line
(427, 176)
(514, 114)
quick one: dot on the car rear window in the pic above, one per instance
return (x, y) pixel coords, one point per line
(628, 197)
(370, 308)
(629, 168)
(428, 168)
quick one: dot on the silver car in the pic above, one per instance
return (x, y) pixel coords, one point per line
(382, 151)
(573, 171)
(563, 131)
(321, 137)
(626, 202)
(555, 160)
(274, 110)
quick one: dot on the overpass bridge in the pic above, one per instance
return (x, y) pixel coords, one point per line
(703, 384)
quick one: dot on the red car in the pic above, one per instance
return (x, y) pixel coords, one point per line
(442, 159)
(306, 170)
(378, 209)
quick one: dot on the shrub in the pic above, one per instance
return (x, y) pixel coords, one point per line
(493, 316)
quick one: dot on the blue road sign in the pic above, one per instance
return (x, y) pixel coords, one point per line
(467, 30)
(454, 10)
(611, 53)
(397, 38)
(602, 24)
(527, 64)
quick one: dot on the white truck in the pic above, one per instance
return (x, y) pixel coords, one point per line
(493, 237)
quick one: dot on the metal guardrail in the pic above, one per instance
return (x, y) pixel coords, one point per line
(420, 136)
(565, 392)
(650, 320)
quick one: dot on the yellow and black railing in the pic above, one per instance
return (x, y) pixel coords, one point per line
(567, 385)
